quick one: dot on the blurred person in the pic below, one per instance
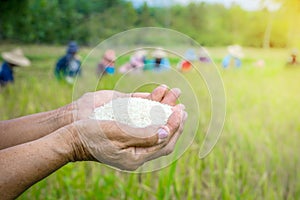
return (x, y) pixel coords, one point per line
(160, 62)
(14, 58)
(190, 55)
(34, 146)
(136, 62)
(203, 57)
(107, 64)
(68, 66)
(186, 64)
(235, 54)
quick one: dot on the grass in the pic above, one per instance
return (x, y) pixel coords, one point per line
(256, 157)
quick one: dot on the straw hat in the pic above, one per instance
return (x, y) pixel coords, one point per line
(140, 54)
(16, 57)
(236, 51)
(159, 53)
(137, 59)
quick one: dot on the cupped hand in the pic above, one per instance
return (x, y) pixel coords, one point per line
(125, 147)
(84, 106)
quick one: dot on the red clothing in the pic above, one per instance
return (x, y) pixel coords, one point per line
(186, 66)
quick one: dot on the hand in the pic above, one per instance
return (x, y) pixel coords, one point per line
(84, 106)
(122, 146)
(119, 145)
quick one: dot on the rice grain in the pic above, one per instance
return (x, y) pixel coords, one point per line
(135, 112)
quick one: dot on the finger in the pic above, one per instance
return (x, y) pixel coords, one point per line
(158, 93)
(167, 131)
(175, 119)
(154, 150)
(143, 95)
(171, 97)
(152, 153)
(167, 149)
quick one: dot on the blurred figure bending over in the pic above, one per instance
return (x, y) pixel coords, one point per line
(136, 62)
(160, 61)
(68, 66)
(11, 59)
(185, 65)
(107, 64)
(234, 57)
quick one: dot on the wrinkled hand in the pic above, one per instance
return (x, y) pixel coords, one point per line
(119, 145)
(125, 147)
(84, 107)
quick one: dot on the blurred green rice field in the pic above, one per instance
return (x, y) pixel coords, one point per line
(256, 157)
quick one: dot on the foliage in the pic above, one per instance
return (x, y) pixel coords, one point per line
(89, 22)
(256, 157)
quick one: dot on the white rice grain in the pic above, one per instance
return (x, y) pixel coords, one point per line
(135, 112)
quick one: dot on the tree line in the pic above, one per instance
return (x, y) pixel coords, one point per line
(89, 22)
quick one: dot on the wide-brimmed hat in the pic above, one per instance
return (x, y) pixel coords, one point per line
(140, 54)
(159, 53)
(236, 51)
(109, 55)
(137, 59)
(16, 57)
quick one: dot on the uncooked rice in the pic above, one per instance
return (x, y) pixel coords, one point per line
(135, 112)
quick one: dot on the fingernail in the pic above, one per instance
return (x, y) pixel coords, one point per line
(163, 85)
(162, 133)
(177, 92)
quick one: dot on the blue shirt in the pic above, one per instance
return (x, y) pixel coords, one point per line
(67, 66)
(6, 74)
(162, 66)
(227, 59)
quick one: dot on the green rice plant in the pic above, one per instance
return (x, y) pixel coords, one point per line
(256, 156)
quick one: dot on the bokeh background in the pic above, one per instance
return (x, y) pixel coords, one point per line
(256, 156)
(211, 23)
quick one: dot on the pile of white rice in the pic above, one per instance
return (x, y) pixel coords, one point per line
(136, 112)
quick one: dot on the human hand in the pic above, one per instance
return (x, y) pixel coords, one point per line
(122, 146)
